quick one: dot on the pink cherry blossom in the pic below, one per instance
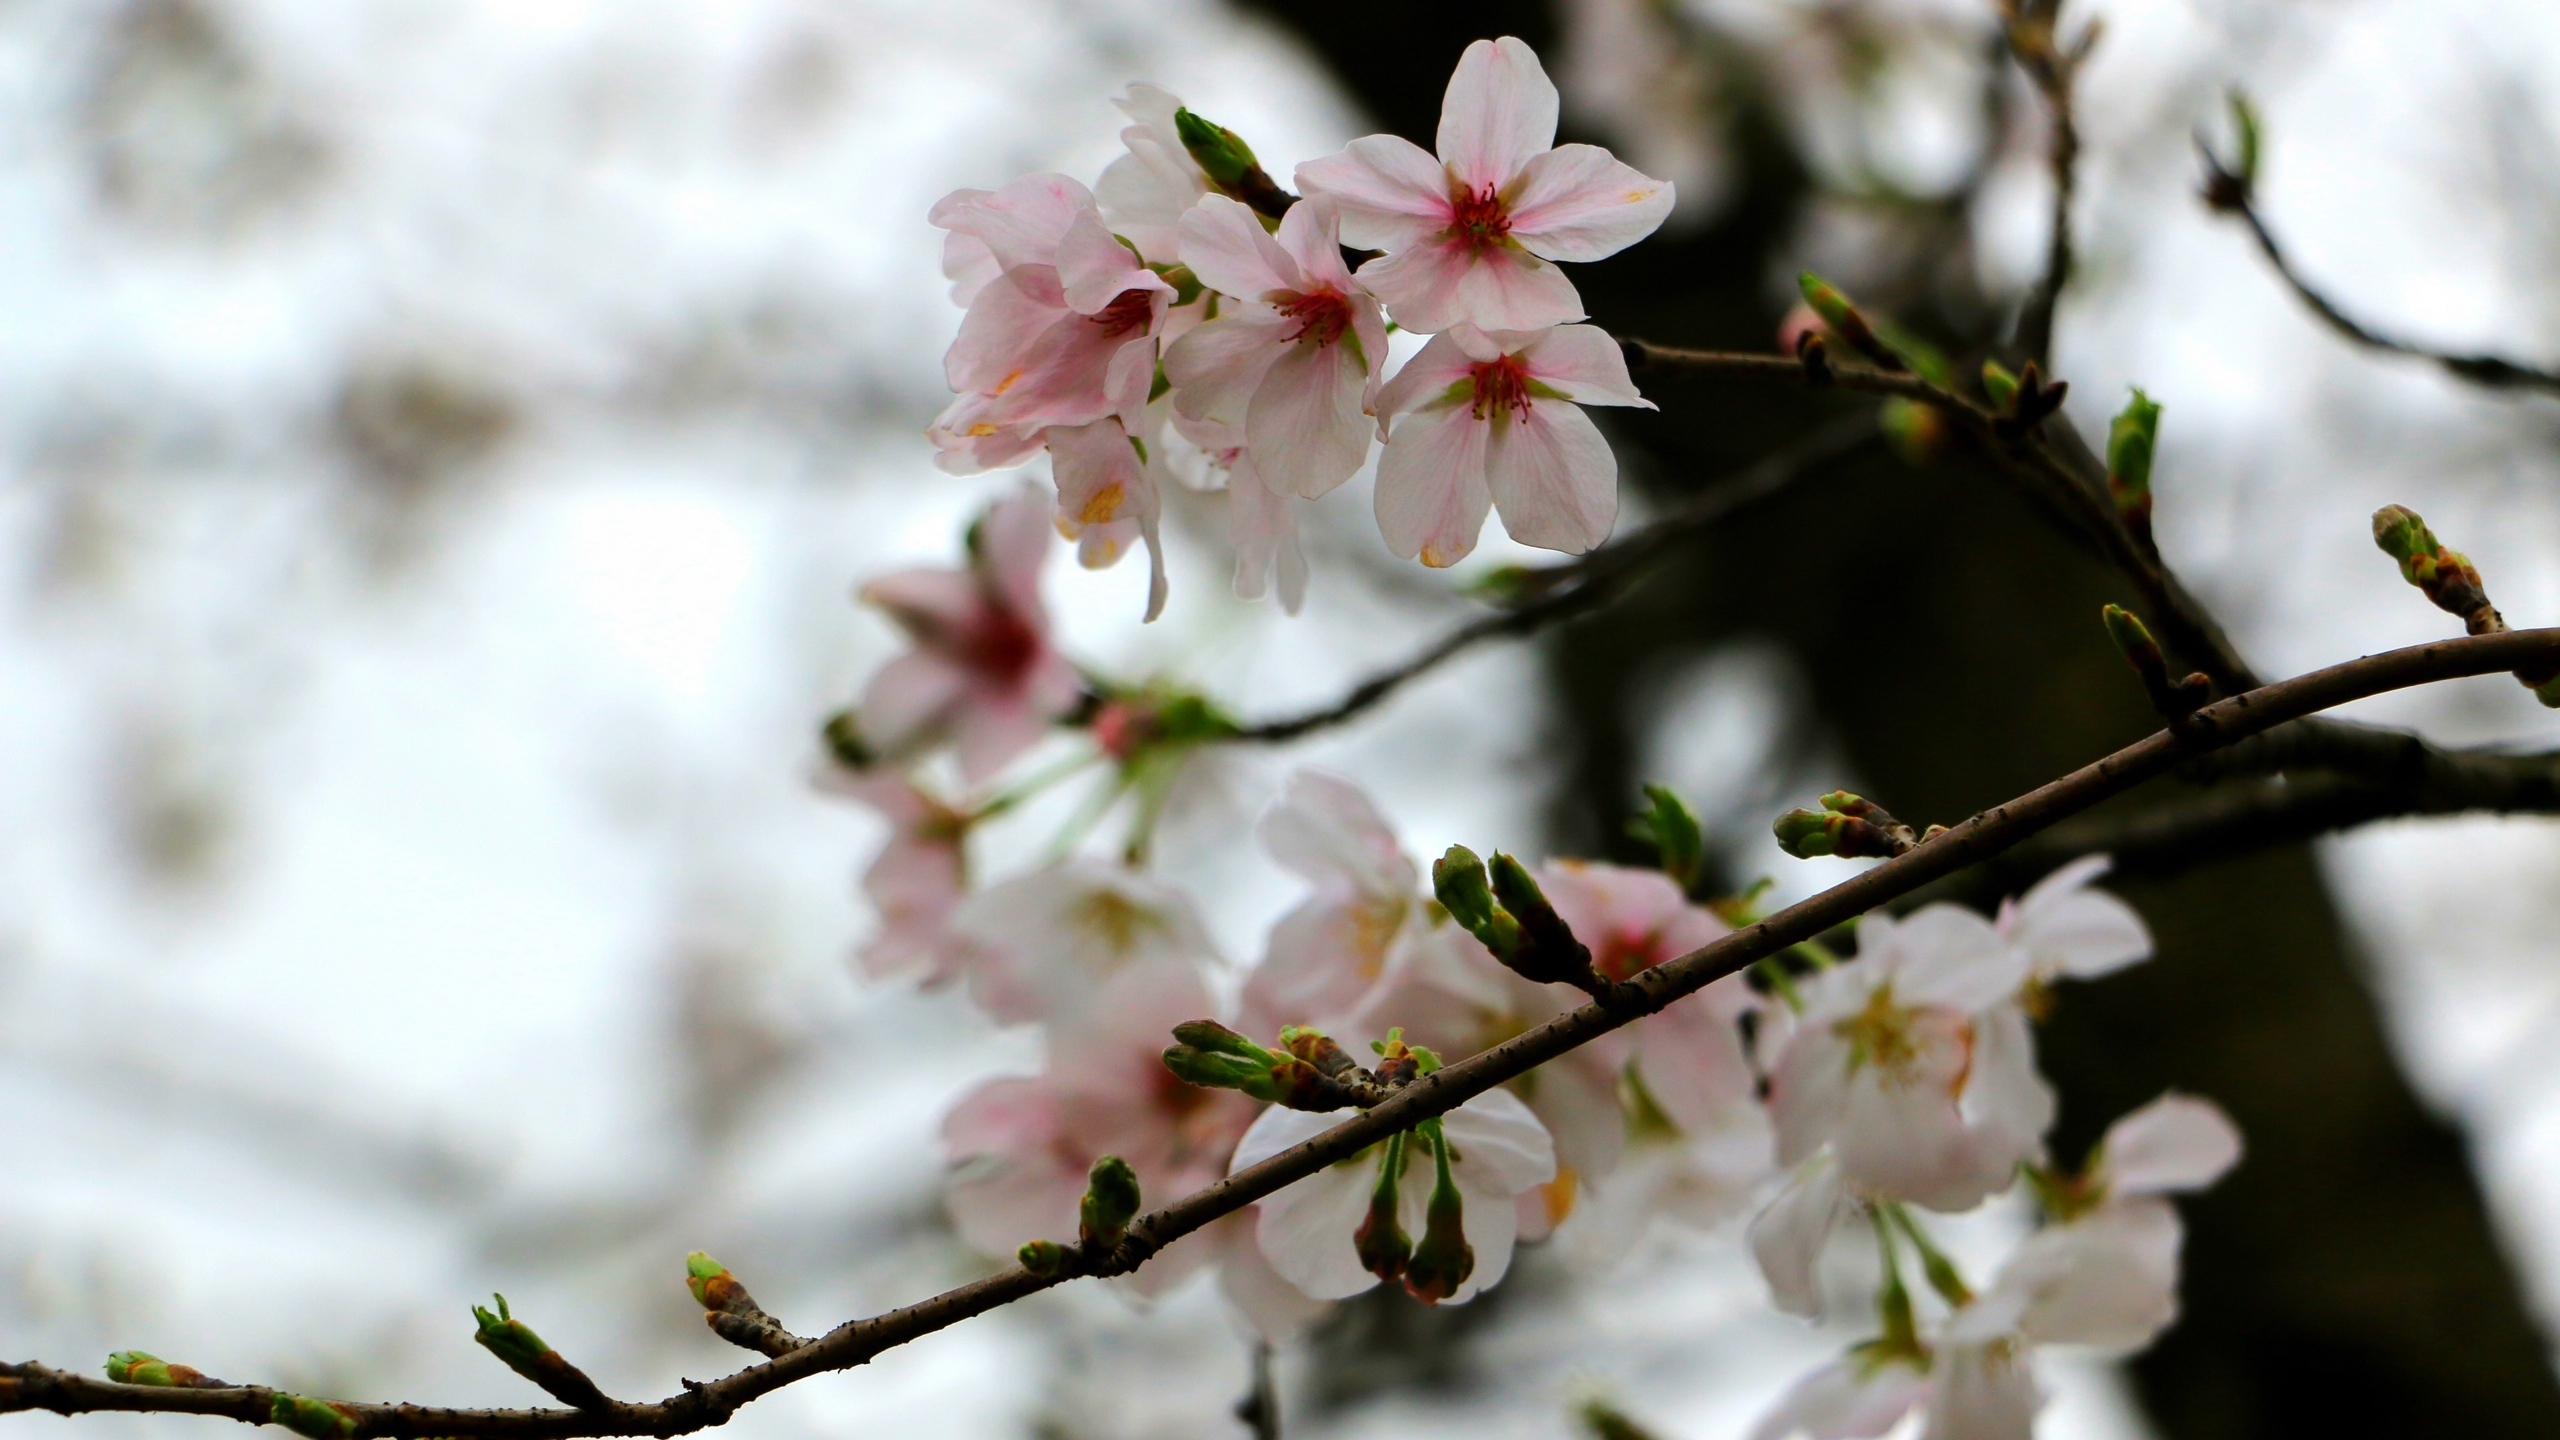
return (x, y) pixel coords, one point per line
(1021, 1149)
(1106, 498)
(1331, 950)
(1471, 234)
(917, 880)
(1308, 1231)
(1295, 358)
(1915, 1064)
(1689, 1054)
(2071, 931)
(1492, 419)
(983, 673)
(1050, 942)
(1672, 1179)
(1063, 334)
(1144, 192)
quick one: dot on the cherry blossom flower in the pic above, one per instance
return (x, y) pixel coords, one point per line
(1053, 939)
(1471, 234)
(2072, 931)
(983, 674)
(1330, 951)
(1144, 192)
(1671, 1179)
(1311, 1231)
(992, 231)
(1106, 498)
(1863, 1393)
(1492, 419)
(1062, 335)
(1688, 1055)
(1915, 1064)
(917, 880)
(1296, 359)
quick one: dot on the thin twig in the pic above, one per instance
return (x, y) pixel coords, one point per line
(2030, 30)
(2227, 193)
(1260, 1407)
(2224, 723)
(1561, 592)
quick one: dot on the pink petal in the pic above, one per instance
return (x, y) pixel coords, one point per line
(1552, 477)
(996, 337)
(1327, 829)
(1579, 202)
(1215, 368)
(2176, 1142)
(1431, 486)
(1020, 224)
(1499, 110)
(1096, 268)
(930, 604)
(1425, 378)
(968, 264)
(990, 729)
(1311, 235)
(909, 698)
(1013, 545)
(1263, 528)
(1225, 245)
(1392, 193)
(1444, 282)
(1586, 363)
(1305, 429)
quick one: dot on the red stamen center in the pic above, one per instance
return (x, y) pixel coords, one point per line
(1479, 217)
(1129, 310)
(1001, 644)
(1502, 386)
(1322, 316)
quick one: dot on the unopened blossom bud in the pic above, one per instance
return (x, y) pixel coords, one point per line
(2130, 439)
(1999, 386)
(1319, 1050)
(1042, 1257)
(313, 1419)
(1458, 880)
(2445, 575)
(1110, 1202)
(524, 1352)
(1551, 954)
(1916, 431)
(1380, 1242)
(1847, 825)
(1399, 1063)
(731, 1312)
(141, 1367)
(2175, 699)
(1669, 826)
(1844, 320)
(1217, 1039)
(1230, 165)
(1444, 1259)
(713, 1287)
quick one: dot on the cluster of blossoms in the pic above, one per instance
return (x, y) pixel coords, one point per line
(1190, 313)
(1188, 321)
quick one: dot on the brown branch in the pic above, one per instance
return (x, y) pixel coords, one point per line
(2030, 31)
(2232, 195)
(1559, 593)
(2217, 726)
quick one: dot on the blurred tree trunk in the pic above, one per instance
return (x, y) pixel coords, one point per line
(2346, 1280)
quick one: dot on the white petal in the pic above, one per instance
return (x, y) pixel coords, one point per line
(1579, 202)
(2177, 1142)
(1981, 1392)
(1808, 1090)
(1553, 477)
(1305, 428)
(1280, 1128)
(1392, 193)
(1499, 110)
(2006, 1100)
(1278, 1311)
(1426, 377)
(1789, 1234)
(1324, 827)
(1501, 1146)
(2068, 929)
(1225, 245)
(2108, 1279)
(1311, 235)
(1852, 1398)
(1432, 497)
(1586, 363)
(1309, 1231)
(1953, 957)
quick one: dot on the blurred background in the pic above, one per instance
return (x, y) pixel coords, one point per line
(441, 440)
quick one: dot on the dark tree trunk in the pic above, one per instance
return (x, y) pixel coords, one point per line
(2346, 1281)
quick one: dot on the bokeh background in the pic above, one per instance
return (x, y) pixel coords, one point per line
(440, 440)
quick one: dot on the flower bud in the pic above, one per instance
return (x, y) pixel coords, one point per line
(313, 1419)
(1444, 1259)
(1042, 1257)
(713, 1287)
(1212, 1071)
(1223, 156)
(2175, 699)
(1110, 1202)
(1319, 1050)
(2444, 575)
(1550, 954)
(141, 1367)
(1847, 825)
(1844, 320)
(1380, 1242)
(2130, 440)
(1669, 826)
(2000, 386)
(522, 1351)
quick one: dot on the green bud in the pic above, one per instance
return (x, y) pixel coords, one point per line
(1804, 833)
(2000, 385)
(2130, 438)
(1042, 1257)
(1915, 430)
(2245, 136)
(1607, 1422)
(510, 1339)
(1110, 1201)
(141, 1367)
(1672, 830)
(1380, 1242)
(713, 1287)
(2132, 637)
(1217, 1039)
(1844, 320)
(1549, 953)
(2404, 537)
(2446, 576)
(1221, 153)
(315, 1419)
(1212, 1071)
(1444, 1259)
(1457, 879)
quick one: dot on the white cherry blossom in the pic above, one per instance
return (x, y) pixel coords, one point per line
(1052, 939)
(2071, 931)
(1144, 193)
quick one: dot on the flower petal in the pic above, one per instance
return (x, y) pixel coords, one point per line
(1020, 224)
(1950, 956)
(910, 698)
(1586, 363)
(1501, 1145)
(1851, 1398)
(1325, 828)
(1263, 529)
(2176, 1142)
(1427, 377)
(1392, 193)
(1432, 497)
(2109, 1279)
(1217, 365)
(1305, 429)
(1225, 245)
(1095, 268)
(1789, 1234)
(2070, 929)
(1579, 202)
(1441, 282)
(1499, 109)
(1553, 477)
(1982, 1392)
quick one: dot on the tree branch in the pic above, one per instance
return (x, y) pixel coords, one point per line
(2030, 29)
(2217, 726)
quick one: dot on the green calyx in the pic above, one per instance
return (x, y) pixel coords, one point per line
(2132, 637)
(1444, 1259)
(1110, 1202)
(713, 1287)
(1849, 826)
(1043, 1258)
(1220, 153)
(845, 743)
(1380, 1242)
(1845, 320)
(1214, 1057)
(1673, 831)
(315, 1419)
(1502, 906)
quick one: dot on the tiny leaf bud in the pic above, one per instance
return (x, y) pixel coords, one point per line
(2445, 576)
(1670, 827)
(1550, 954)
(313, 1419)
(1444, 1259)
(2131, 437)
(2245, 137)
(1042, 1257)
(141, 1367)
(524, 1352)
(2000, 386)
(1110, 1202)
(1217, 1039)
(845, 745)
(1844, 320)
(1230, 164)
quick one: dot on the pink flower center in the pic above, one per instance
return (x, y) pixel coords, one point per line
(1322, 316)
(1479, 218)
(1001, 645)
(1129, 310)
(1627, 952)
(1502, 386)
